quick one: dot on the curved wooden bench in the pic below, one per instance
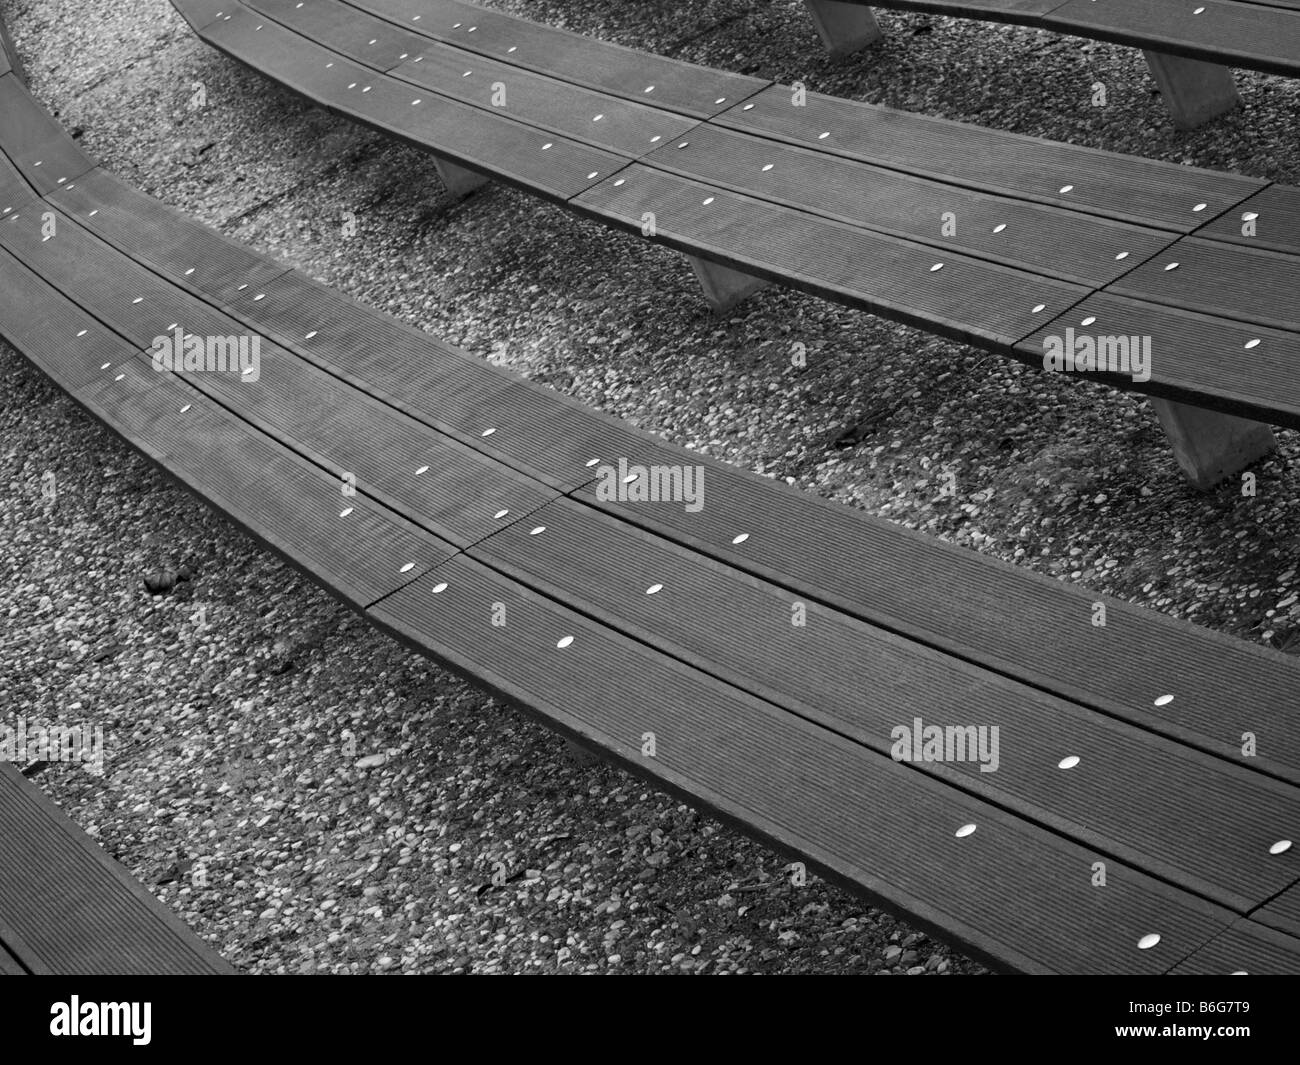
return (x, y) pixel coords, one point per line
(1190, 48)
(660, 633)
(990, 238)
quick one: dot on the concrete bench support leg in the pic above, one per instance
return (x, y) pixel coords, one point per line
(844, 28)
(1210, 446)
(459, 181)
(724, 287)
(1195, 91)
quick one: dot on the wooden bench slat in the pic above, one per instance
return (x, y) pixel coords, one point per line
(328, 420)
(266, 489)
(625, 127)
(1185, 816)
(1246, 947)
(966, 299)
(1125, 187)
(998, 228)
(1194, 357)
(803, 788)
(1245, 284)
(1259, 36)
(1269, 219)
(36, 144)
(686, 88)
(1283, 912)
(1256, 34)
(486, 141)
(54, 879)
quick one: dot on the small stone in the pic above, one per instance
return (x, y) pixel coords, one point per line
(159, 582)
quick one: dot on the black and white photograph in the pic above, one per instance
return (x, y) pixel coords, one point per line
(650, 487)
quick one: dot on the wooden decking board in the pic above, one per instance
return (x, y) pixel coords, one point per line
(1276, 225)
(9, 965)
(192, 256)
(531, 428)
(40, 322)
(266, 489)
(14, 189)
(1245, 947)
(966, 299)
(1065, 244)
(200, 14)
(1258, 36)
(623, 127)
(691, 90)
(99, 278)
(1018, 896)
(990, 613)
(1195, 820)
(1283, 912)
(457, 498)
(1123, 187)
(1250, 285)
(336, 425)
(38, 146)
(1195, 358)
(487, 141)
(54, 879)
(365, 38)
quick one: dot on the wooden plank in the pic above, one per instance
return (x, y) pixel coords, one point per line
(14, 189)
(531, 428)
(1010, 893)
(1122, 187)
(202, 13)
(1211, 836)
(1248, 949)
(1250, 285)
(1255, 35)
(595, 118)
(1283, 912)
(1195, 358)
(276, 496)
(1258, 36)
(66, 907)
(1269, 219)
(9, 965)
(37, 145)
(334, 424)
(943, 292)
(987, 612)
(694, 91)
(195, 257)
(545, 164)
(362, 37)
(1023, 12)
(69, 345)
(1059, 243)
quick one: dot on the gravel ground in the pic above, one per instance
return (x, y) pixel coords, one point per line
(311, 797)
